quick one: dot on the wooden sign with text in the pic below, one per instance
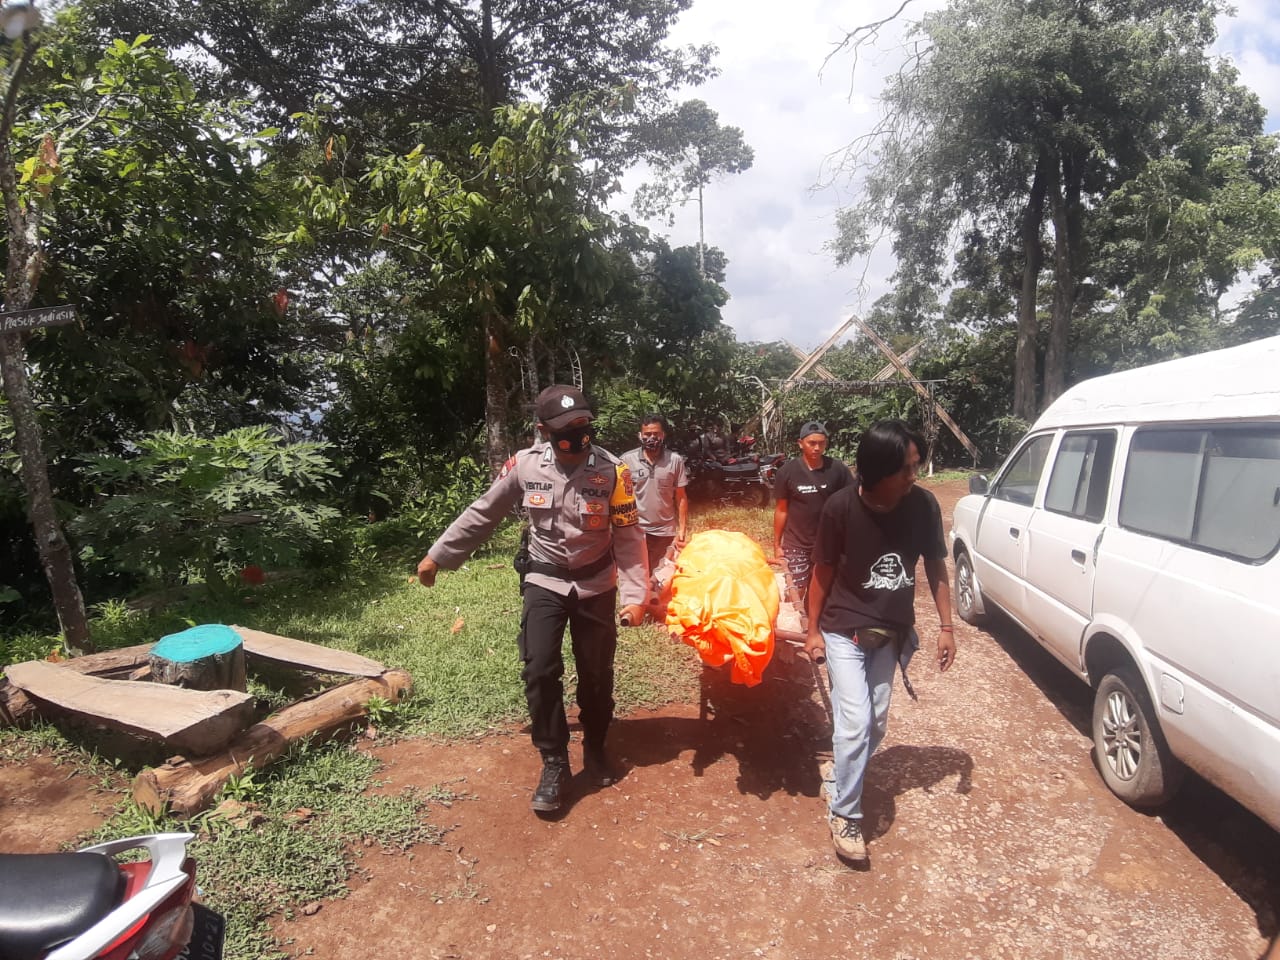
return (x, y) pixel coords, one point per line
(38, 317)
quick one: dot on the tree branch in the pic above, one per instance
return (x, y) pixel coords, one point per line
(862, 36)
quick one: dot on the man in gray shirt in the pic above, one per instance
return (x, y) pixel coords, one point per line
(660, 479)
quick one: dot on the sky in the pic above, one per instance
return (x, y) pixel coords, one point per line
(774, 220)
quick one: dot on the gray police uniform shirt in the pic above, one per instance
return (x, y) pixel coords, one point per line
(576, 516)
(656, 484)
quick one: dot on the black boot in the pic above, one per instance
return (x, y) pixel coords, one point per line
(595, 761)
(549, 793)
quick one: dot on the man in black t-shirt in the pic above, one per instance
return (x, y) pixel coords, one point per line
(801, 488)
(862, 607)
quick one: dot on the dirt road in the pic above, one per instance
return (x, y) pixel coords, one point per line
(991, 836)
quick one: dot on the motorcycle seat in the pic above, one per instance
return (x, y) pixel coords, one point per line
(47, 899)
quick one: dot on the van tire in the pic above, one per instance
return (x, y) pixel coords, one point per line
(1129, 746)
(968, 599)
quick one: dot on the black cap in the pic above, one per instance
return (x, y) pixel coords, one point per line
(560, 405)
(810, 428)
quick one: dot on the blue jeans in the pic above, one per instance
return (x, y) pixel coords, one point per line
(861, 682)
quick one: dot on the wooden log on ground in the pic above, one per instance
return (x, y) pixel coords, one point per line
(207, 657)
(111, 664)
(17, 709)
(299, 655)
(188, 786)
(188, 720)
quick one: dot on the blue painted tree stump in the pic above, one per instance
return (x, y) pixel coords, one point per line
(205, 657)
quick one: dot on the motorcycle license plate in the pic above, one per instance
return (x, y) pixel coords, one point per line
(206, 936)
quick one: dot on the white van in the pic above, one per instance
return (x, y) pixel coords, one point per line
(1134, 532)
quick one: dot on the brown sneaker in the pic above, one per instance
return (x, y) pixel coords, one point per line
(846, 837)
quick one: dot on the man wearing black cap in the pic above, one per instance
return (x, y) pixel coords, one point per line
(585, 547)
(801, 488)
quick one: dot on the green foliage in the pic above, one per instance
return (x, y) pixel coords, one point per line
(447, 65)
(429, 502)
(21, 647)
(186, 507)
(619, 408)
(663, 325)
(158, 202)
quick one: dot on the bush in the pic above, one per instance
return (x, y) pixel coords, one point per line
(188, 508)
(447, 489)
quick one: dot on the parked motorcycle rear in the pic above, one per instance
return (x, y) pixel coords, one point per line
(746, 478)
(92, 905)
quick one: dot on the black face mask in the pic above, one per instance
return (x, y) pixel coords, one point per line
(573, 440)
(651, 443)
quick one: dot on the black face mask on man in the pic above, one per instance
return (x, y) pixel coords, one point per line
(651, 443)
(574, 439)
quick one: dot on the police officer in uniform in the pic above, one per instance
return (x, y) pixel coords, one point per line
(585, 548)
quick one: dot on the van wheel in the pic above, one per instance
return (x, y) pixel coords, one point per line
(967, 596)
(1131, 751)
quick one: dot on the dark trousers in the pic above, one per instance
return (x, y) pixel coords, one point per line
(594, 634)
(657, 548)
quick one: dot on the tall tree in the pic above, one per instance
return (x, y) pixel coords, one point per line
(388, 65)
(145, 206)
(26, 260)
(512, 240)
(690, 150)
(1013, 123)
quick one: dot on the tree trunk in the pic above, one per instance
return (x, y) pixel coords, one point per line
(495, 396)
(55, 552)
(1064, 201)
(21, 275)
(702, 239)
(1024, 362)
(491, 86)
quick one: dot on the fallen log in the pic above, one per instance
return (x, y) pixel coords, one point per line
(286, 652)
(110, 664)
(192, 720)
(186, 787)
(17, 709)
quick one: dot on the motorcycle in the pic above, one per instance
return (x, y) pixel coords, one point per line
(745, 474)
(89, 905)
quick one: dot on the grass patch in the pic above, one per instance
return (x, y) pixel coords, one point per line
(297, 835)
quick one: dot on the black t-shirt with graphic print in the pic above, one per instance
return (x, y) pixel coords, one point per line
(874, 556)
(806, 492)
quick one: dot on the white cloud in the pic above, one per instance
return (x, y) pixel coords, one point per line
(770, 221)
(1251, 40)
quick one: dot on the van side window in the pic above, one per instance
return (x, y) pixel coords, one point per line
(1082, 475)
(1019, 482)
(1218, 489)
